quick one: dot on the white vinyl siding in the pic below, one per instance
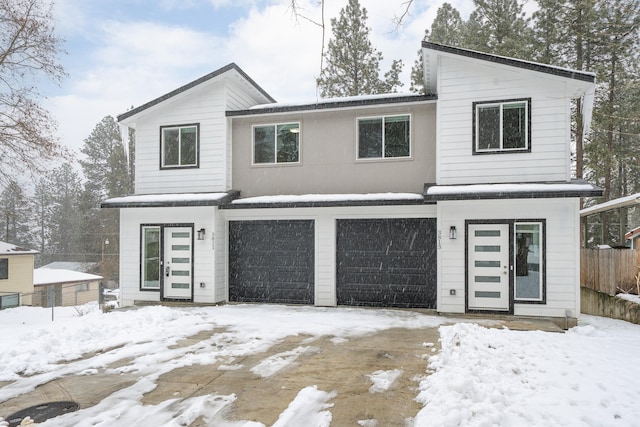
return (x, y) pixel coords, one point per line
(131, 220)
(562, 256)
(460, 84)
(205, 106)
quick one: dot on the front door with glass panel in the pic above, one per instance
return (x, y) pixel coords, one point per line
(177, 266)
(488, 267)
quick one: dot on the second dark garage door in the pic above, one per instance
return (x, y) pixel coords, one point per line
(271, 261)
(386, 262)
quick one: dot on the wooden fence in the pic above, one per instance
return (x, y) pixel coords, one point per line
(610, 271)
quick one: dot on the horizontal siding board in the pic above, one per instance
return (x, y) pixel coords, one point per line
(460, 86)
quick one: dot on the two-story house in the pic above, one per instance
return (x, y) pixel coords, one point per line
(459, 200)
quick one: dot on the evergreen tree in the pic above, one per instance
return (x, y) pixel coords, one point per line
(41, 206)
(352, 64)
(106, 165)
(15, 215)
(499, 27)
(64, 187)
(448, 29)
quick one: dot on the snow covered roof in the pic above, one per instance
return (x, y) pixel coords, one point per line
(170, 200)
(324, 200)
(575, 188)
(11, 249)
(82, 267)
(621, 202)
(50, 276)
(334, 103)
(230, 68)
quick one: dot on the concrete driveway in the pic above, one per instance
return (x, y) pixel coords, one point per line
(332, 364)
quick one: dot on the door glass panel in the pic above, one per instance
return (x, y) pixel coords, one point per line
(487, 233)
(180, 285)
(180, 247)
(181, 260)
(487, 248)
(179, 273)
(528, 258)
(487, 279)
(151, 257)
(487, 263)
(487, 294)
(181, 234)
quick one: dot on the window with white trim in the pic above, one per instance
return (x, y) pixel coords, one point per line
(179, 146)
(276, 143)
(529, 261)
(384, 137)
(502, 126)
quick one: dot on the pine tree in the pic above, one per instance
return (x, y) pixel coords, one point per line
(15, 215)
(106, 165)
(447, 29)
(64, 186)
(352, 63)
(499, 27)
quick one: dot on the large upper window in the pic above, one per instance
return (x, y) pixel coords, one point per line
(278, 143)
(150, 264)
(502, 126)
(179, 146)
(4, 268)
(384, 137)
(529, 261)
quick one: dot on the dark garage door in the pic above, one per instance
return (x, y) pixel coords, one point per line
(271, 261)
(387, 262)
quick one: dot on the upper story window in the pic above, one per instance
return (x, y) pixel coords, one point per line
(502, 126)
(277, 143)
(4, 268)
(384, 137)
(179, 146)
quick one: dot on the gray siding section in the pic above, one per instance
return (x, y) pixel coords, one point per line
(328, 155)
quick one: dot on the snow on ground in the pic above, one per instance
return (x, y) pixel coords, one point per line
(383, 380)
(585, 377)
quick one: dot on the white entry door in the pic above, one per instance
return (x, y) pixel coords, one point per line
(178, 262)
(489, 267)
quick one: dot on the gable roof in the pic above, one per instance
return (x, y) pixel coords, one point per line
(11, 249)
(512, 62)
(227, 68)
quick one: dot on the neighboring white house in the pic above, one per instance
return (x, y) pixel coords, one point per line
(460, 200)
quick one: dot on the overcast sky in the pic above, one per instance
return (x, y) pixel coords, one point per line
(123, 53)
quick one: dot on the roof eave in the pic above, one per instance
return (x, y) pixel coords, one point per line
(323, 106)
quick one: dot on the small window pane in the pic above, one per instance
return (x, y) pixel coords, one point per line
(188, 144)
(396, 136)
(370, 138)
(170, 147)
(514, 122)
(264, 144)
(288, 146)
(528, 254)
(151, 257)
(488, 128)
(4, 268)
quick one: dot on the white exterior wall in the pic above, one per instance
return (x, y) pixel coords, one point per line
(325, 234)
(206, 107)
(203, 259)
(462, 82)
(562, 246)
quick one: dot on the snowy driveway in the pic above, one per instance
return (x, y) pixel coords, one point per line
(256, 365)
